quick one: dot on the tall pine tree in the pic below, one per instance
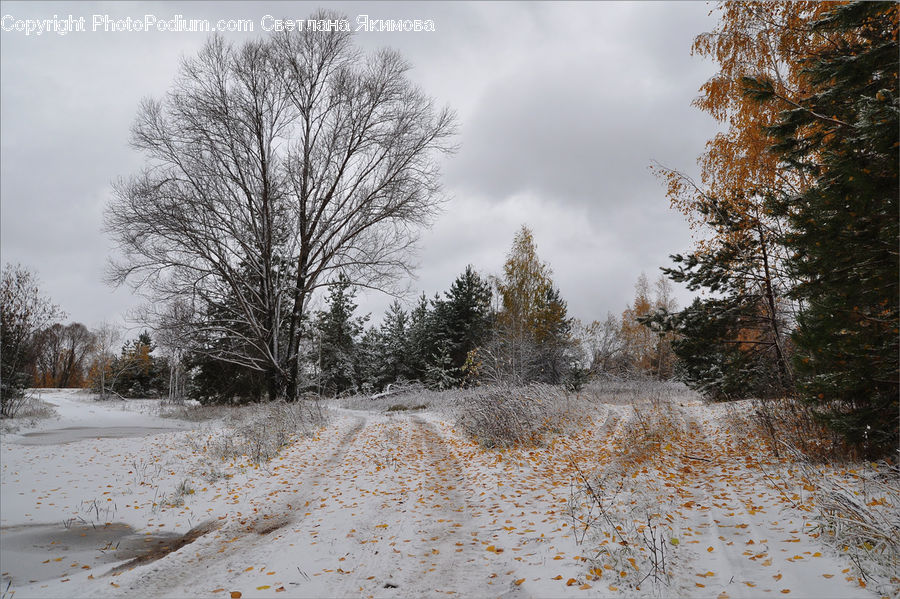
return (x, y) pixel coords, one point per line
(843, 135)
(735, 343)
(466, 318)
(393, 358)
(339, 330)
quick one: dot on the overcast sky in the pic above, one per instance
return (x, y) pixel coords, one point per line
(562, 108)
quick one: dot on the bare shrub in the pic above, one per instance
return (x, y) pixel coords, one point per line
(516, 416)
(192, 412)
(25, 410)
(261, 431)
(13, 404)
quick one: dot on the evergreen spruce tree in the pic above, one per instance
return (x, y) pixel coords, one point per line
(393, 343)
(369, 360)
(734, 344)
(464, 320)
(140, 372)
(420, 339)
(215, 378)
(440, 373)
(719, 349)
(843, 136)
(339, 332)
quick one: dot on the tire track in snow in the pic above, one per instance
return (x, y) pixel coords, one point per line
(415, 538)
(450, 529)
(749, 542)
(418, 538)
(224, 551)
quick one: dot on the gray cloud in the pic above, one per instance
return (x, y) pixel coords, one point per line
(562, 107)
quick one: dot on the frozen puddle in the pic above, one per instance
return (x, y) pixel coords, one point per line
(39, 552)
(70, 434)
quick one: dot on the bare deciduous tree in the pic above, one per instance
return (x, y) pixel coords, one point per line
(271, 168)
(174, 327)
(23, 312)
(361, 168)
(106, 338)
(60, 355)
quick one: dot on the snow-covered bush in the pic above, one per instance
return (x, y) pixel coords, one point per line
(25, 410)
(499, 416)
(260, 431)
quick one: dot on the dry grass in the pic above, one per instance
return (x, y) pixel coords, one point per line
(406, 397)
(857, 511)
(193, 412)
(636, 391)
(629, 538)
(865, 524)
(790, 426)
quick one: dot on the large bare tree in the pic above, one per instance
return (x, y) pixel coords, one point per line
(272, 167)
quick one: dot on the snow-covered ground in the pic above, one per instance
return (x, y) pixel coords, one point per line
(80, 417)
(384, 504)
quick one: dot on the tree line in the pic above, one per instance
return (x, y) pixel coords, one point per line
(797, 214)
(511, 329)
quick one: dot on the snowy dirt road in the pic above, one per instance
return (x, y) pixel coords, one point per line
(390, 510)
(383, 504)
